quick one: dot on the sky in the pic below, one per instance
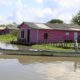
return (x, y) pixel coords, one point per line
(40, 11)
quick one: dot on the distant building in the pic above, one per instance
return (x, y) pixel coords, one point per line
(47, 33)
(12, 27)
(4, 30)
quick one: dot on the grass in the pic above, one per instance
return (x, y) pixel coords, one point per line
(50, 47)
(7, 38)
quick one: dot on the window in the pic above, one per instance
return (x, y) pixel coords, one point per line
(45, 35)
(22, 34)
(75, 35)
(67, 33)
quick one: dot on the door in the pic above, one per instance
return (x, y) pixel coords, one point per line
(75, 35)
(28, 35)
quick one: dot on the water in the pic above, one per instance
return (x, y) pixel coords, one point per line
(13, 46)
(7, 46)
(39, 68)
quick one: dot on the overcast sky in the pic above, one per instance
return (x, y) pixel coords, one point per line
(37, 10)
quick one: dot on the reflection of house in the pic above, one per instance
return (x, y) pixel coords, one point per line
(42, 33)
(4, 30)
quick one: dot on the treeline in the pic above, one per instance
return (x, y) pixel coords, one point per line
(75, 19)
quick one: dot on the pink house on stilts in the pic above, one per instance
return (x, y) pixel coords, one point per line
(47, 33)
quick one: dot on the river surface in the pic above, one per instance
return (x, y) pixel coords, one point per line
(13, 46)
(39, 68)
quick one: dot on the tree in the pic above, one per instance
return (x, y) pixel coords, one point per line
(14, 32)
(55, 21)
(76, 18)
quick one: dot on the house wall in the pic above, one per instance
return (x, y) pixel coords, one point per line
(3, 32)
(53, 35)
(22, 27)
(56, 35)
(37, 36)
(33, 38)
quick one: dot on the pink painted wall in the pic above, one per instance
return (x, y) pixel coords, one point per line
(56, 35)
(33, 36)
(24, 26)
(53, 35)
(32, 33)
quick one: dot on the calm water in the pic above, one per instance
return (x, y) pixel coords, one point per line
(39, 68)
(12, 46)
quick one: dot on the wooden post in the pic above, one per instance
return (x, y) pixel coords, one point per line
(76, 46)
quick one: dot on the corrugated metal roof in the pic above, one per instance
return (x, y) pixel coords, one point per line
(55, 26)
(37, 25)
(2, 28)
(64, 26)
(13, 28)
(32, 25)
(43, 26)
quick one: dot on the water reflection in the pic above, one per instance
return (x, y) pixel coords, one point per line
(39, 68)
(12, 46)
(7, 46)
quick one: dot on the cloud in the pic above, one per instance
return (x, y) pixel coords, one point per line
(41, 13)
(39, 1)
(65, 9)
(6, 2)
(39, 10)
(65, 17)
(68, 3)
(36, 14)
(19, 11)
(3, 19)
(30, 13)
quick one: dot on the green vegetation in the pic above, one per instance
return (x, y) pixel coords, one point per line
(53, 47)
(14, 33)
(76, 18)
(7, 38)
(55, 21)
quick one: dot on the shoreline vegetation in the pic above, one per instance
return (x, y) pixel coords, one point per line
(7, 38)
(53, 46)
(40, 49)
(32, 52)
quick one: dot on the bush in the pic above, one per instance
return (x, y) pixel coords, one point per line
(14, 33)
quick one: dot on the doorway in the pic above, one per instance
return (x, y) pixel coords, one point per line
(28, 35)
